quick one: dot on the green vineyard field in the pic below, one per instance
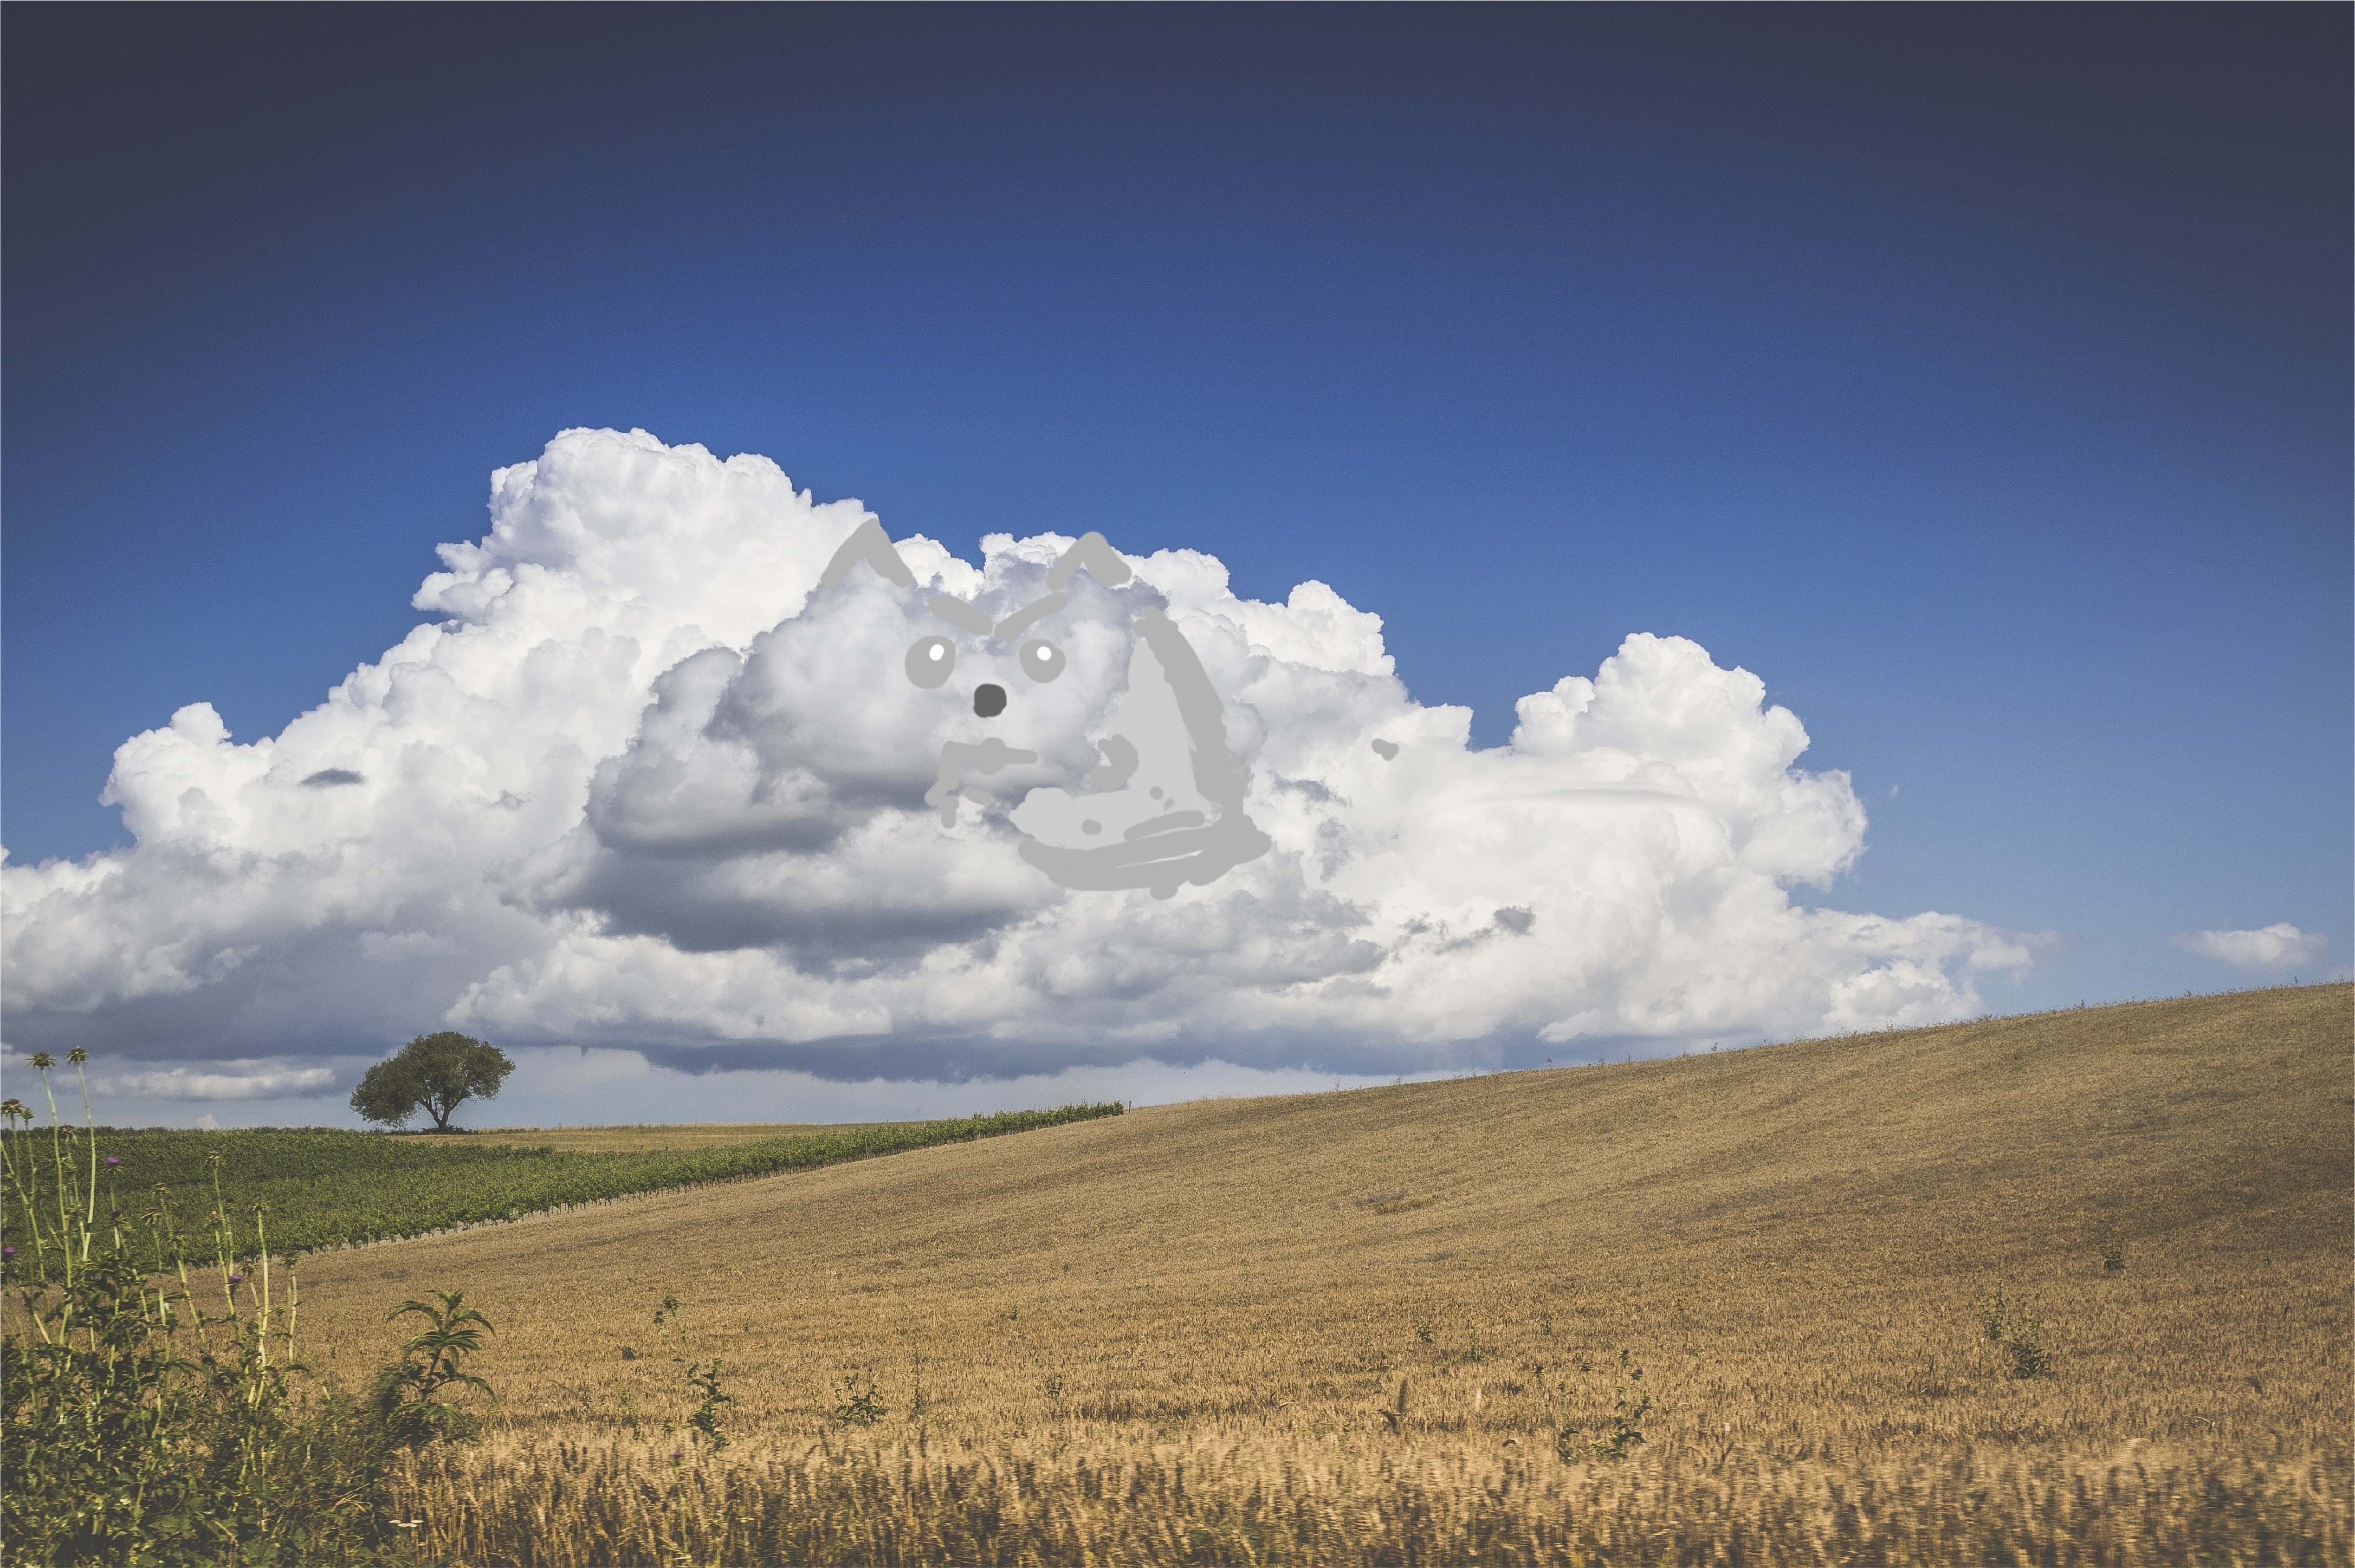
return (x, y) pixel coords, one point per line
(322, 1188)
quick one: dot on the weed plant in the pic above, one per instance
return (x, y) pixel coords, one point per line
(702, 1377)
(2009, 1325)
(857, 1403)
(406, 1393)
(141, 1425)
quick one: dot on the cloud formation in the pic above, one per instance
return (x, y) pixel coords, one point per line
(645, 784)
(237, 1080)
(2268, 949)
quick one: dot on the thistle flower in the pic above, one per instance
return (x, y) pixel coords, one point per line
(7, 1252)
(41, 1062)
(112, 1160)
(77, 1056)
(237, 1279)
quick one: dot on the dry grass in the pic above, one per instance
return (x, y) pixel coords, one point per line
(1788, 1240)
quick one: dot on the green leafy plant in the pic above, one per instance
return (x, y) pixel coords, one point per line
(1626, 1423)
(1992, 1311)
(702, 1377)
(628, 1404)
(138, 1423)
(2029, 1359)
(408, 1393)
(1424, 1327)
(1626, 1428)
(2114, 1258)
(856, 1404)
(2006, 1322)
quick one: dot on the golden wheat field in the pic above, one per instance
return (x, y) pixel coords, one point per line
(1182, 1334)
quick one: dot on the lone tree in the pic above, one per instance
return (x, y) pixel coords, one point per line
(434, 1073)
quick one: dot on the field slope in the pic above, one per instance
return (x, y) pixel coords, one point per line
(1798, 1245)
(326, 1187)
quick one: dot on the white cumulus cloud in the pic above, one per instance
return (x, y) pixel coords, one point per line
(645, 784)
(2268, 949)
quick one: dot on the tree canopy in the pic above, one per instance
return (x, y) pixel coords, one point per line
(434, 1073)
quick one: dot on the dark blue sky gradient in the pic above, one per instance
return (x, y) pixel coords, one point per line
(1979, 376)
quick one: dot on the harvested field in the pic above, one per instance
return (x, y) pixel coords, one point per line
(1802, 1248)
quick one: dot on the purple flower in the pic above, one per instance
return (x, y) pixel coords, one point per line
(7, 1252)
(237, 1279)
(112, 1160)
(678, 1453)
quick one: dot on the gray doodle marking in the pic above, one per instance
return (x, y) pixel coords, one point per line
(955, 757)
(1166, 767)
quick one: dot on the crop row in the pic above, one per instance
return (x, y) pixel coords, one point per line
(322, 1188)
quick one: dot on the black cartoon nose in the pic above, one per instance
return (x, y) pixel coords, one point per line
(988, 701)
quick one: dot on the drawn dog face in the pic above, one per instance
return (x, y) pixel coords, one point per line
(1165, 806)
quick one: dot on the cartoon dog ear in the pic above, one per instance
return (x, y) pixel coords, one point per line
(870, 543)
(1103, 561)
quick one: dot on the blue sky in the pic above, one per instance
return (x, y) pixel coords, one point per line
(1978, 377)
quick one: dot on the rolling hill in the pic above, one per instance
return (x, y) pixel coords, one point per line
(1831, 1251)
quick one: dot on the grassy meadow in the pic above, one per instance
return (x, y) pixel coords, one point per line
(2065, 1288)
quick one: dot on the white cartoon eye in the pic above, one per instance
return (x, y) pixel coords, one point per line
(931, 660)
(1041, 661)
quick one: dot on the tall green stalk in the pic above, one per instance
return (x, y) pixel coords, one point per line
(138, 1428)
